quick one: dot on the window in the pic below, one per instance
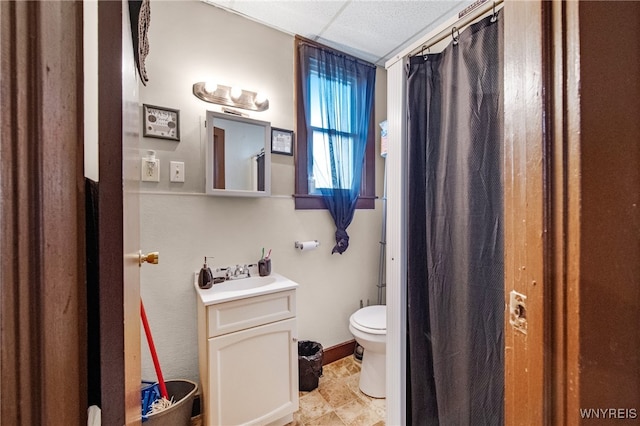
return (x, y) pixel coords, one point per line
(330, 134)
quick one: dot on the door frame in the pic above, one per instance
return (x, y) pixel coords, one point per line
(119, 276)
(110, 205)
(526, 208)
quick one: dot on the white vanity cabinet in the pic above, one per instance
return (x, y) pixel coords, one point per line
(248, 355)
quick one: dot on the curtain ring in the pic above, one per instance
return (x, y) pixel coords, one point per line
(455, 38)
(422, 52)
(494, 18)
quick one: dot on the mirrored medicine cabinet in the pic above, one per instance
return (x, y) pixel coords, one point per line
(238, 156)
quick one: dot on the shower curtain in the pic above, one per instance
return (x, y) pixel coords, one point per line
(455, 232)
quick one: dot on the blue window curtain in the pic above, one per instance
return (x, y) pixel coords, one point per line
(338, 93)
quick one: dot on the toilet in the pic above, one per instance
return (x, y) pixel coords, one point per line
(369, 327)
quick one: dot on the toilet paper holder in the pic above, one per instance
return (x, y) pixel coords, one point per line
(306, 245)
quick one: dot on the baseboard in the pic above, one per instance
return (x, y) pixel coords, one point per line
(338, 351)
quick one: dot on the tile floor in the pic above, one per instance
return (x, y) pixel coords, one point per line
(338, 401)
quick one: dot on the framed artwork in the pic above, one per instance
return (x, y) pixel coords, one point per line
(160, 122)
(281, 141)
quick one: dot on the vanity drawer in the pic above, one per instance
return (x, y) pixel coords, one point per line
(241, 314)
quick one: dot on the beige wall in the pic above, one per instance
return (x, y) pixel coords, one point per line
(184, 224)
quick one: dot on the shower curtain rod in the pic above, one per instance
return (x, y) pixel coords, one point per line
(445, 29)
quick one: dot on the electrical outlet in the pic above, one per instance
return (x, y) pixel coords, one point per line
(176, 171)
(150, 170)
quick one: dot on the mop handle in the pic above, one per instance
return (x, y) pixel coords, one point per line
(154, 355)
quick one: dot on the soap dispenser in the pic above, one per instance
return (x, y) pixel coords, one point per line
(205, 278)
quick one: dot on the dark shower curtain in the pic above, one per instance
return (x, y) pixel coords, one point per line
(455, 232)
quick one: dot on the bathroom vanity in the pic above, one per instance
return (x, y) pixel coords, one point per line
(248, 351)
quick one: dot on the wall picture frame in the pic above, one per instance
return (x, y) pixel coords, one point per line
(282, 141)
(160, 122)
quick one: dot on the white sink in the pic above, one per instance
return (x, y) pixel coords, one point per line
(244, 283)
(243, 287)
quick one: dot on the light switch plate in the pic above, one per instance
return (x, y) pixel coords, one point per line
(150, 170)
(176, 170)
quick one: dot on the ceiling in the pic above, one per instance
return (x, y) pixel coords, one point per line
(368, 29)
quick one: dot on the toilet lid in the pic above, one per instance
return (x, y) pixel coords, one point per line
(373, 317)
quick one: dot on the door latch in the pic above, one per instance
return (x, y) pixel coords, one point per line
(518, 311)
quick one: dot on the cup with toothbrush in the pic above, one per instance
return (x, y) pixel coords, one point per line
(264, 264)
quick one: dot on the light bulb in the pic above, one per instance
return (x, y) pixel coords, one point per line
(236, 92)
(260, 98)
(210, 87)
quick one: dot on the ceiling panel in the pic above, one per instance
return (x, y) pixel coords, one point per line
(373, 30)
(384, 27)
(306, 18)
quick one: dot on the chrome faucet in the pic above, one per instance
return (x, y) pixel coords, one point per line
(244, 270)
(237, 272)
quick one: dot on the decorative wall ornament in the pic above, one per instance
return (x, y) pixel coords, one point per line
(160, 122)
(282, 141)
(140, 18)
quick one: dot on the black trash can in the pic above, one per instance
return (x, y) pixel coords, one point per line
(309, 364)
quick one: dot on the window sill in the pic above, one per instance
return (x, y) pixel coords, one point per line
(315, 202)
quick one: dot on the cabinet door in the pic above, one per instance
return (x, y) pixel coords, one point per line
(253, 375)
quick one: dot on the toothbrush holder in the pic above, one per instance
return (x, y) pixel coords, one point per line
(264, 267)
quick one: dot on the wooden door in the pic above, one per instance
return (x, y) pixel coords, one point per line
(119, 227)
(42, 266)
(603, 186)
(572, 190)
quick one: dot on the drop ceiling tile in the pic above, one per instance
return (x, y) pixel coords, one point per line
(306, 18)
(382, 27)
(373, 30)
(227, 4)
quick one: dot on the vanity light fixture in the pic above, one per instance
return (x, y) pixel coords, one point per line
(210, 87)
(236, 92)
(230, 96)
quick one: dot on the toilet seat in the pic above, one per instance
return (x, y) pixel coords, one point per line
(372, 319)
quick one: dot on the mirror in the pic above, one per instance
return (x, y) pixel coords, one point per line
(238, 156)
